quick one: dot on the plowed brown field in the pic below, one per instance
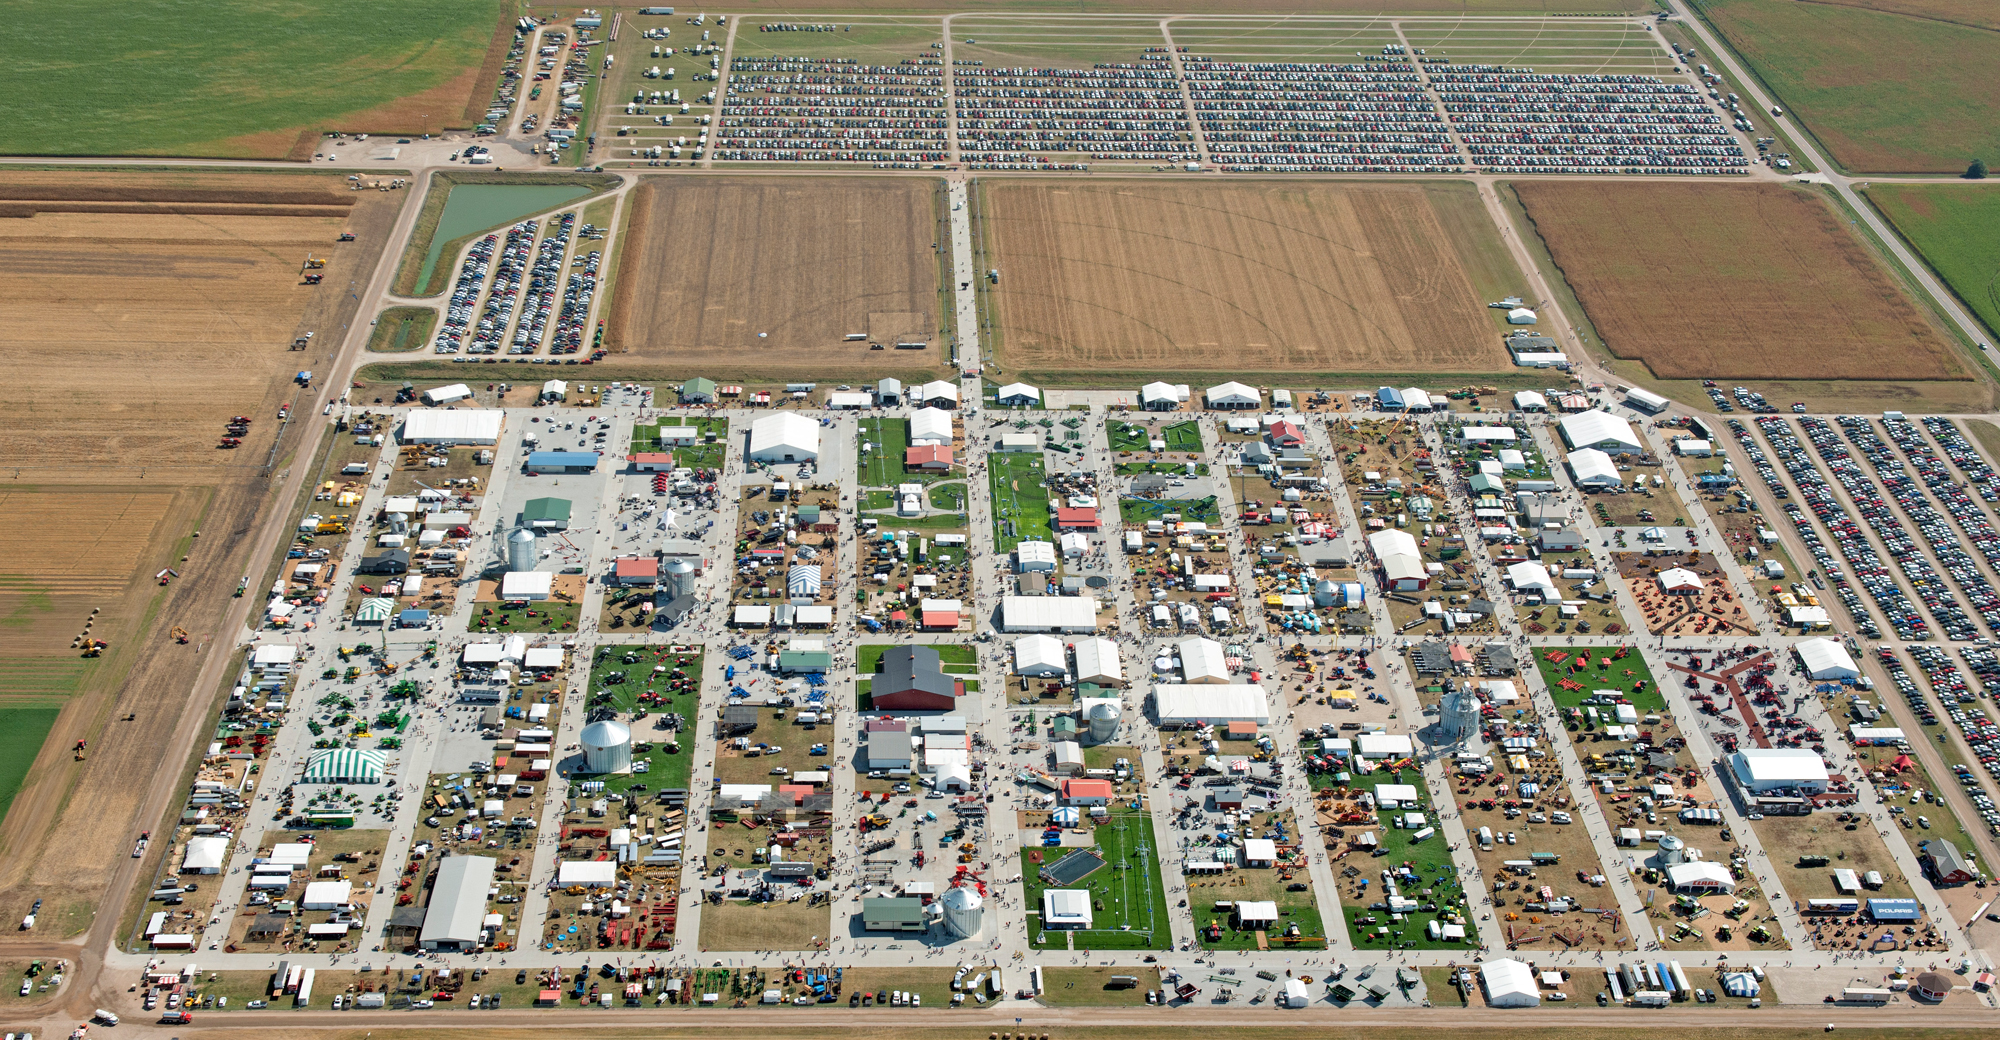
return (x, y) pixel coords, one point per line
(1715, 281)
(1243, 278)
(712, 264)
(127, 340)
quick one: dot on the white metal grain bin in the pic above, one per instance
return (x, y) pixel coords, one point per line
(607, 747)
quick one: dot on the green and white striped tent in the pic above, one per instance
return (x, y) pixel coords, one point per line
(375, 611)
(345, 766)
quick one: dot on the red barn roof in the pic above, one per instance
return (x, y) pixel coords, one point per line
(1087, 789)
(928, 455)
(1076, 516)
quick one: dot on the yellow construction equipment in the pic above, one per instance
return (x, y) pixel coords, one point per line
(180, 634)
(312, 264)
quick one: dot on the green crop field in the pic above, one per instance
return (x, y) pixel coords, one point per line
(1957, 229)
(1883, 92)
(22, 731)
(235, 78)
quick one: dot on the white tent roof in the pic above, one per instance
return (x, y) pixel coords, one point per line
(205, 854)
(1780, 765)
(602, 873)
(930, 426)
(543, 657)
(1680, 578)
(481, 653)
(1066, 907)
(747, 615)
(1232, 392)
(1826, 659)
(1029, 554)
(555, 388)
(938, 389)
(1392, 543)
(1030, 613)
(1256, 910)
(803, 579)
(1524, 576)
(784, 433)
(1201, 661)
(458, 900)
(1159, 392)
(1017, 390)
(1385, 745)
(457, 426)
(526, 584)
(1177, 704)
(1591, 466)
(1599, 429)
(325, 895)
(1526, 399)
(1263, 849)
(1097, 661)
(1039, 655)
(1509, 983)
(1074, 543)
(1700, 873)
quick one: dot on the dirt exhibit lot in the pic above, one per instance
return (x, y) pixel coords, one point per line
(129, 339)
(1732, 282)
(776, 274)
(1291, 277)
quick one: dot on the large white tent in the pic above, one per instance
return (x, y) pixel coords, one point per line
(1097, 662)
(1048, 614)
(1039, 655)
(1590, 467)
(1531, 577)
(784, 437)
(1826, 659)
(456, 426)
(1182, 705)
(1601, 430)
(930, 426)
(1232, 395)
(1202, 662)
(1509, 984)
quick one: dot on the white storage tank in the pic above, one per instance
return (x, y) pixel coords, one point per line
(607, 747)
(964, 912)
(1673, 851)
(1103, 722)
(521, 552)
(678, 578)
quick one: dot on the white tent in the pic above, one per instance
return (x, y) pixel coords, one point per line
(1182, 705)
(1202, 662)
(1680, 579)
(1593, 468)
(1233, 395)
(527, 585)
(601, 873)
(1159, 396)
(1602, 430)
(327, 895)
(784, 437)
(1530, 401)
(1826, 659)
(1039, 655)
(1700, 876)
(930, 426)
(1392, 543)
(1034, 556)
(803, 580)
(1097, 662)
(447, 394)
(459, 426)
(205, 855)
(1509, 984)
(1048, 614)
(1527, 577)
(1017, 393)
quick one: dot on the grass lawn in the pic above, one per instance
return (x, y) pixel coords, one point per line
(1091, 987)
(1129, 902)
(676, 689)
(1602, 674)
(948, 496)
(738, 925)
(549, 616)
(882, 465)
(239, 78)
(1126, 436)
(1864, 82)
(1136, 511)
(402, 329)
(933, 985)
(1183, 436)
(1957, 230)
(1166, 469)
(1257, 885)
(738, 767)
(645, 437)
(1430, 859)
(22, 731)
(1020, 500)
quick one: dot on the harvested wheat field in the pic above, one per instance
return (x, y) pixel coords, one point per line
(1716, 281)
(138, 312)
(1296, 278)
(712, 264)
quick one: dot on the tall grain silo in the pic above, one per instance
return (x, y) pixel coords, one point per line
(1673, 851)
(1103, 722)
(964, 912)
(1458, 716)
(607, 747)
(677, 578)
(521, 552)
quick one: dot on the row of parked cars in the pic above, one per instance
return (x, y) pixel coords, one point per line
(542, 281)
(1981, 735)
(1865, 563)
(1936, 530)
(509, 272)
(1962, 454)
(465, 295)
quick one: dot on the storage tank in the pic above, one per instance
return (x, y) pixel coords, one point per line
(399, 523)
(677, 578)
(1103, 722)
(607, 747)
(1673, 851)
(1458, 716)
(1326, 594)
(521, 552)
(964, 912)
